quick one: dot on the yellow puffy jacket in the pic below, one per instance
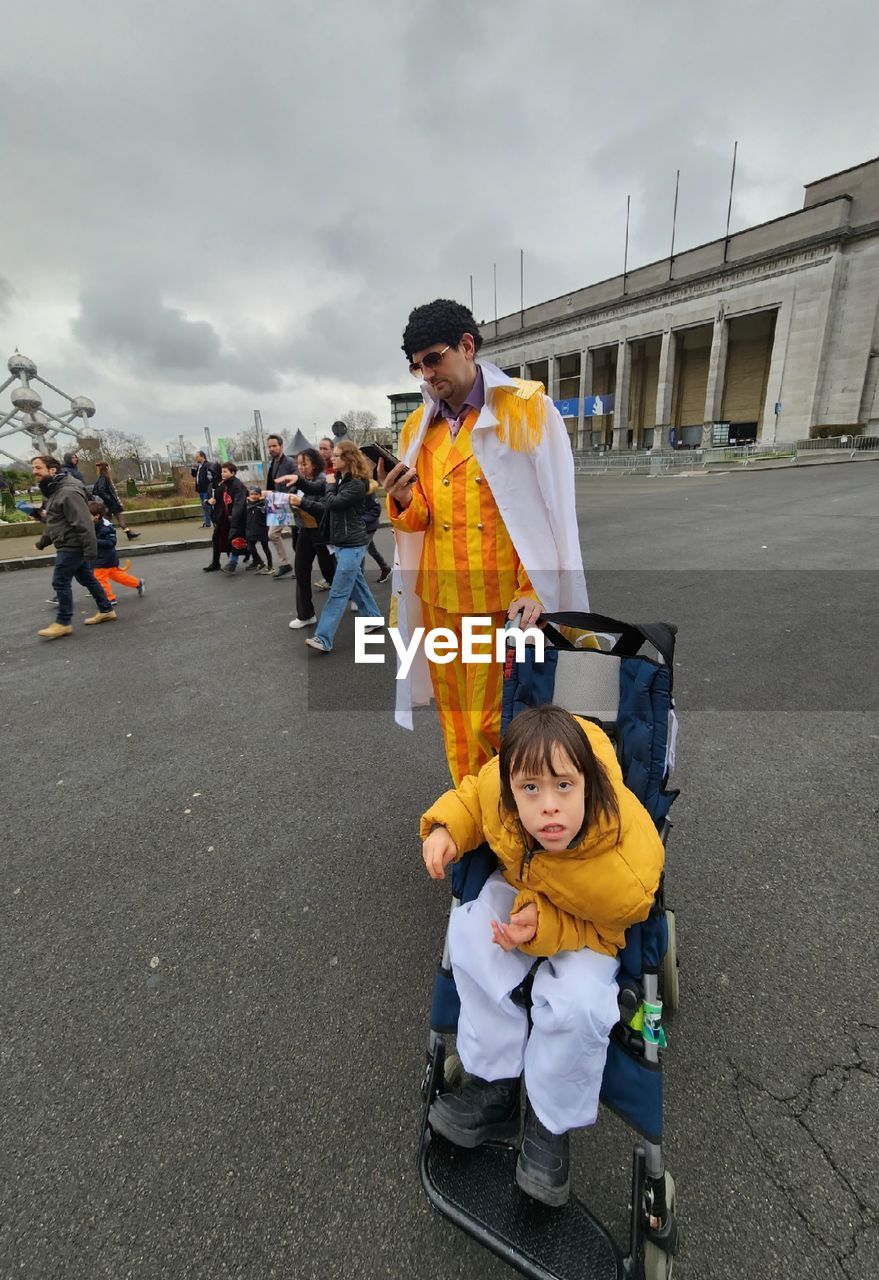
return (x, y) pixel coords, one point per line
(586, 896)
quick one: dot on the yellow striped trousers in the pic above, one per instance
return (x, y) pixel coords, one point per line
(468, 698)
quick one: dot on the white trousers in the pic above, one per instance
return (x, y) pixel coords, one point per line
(574, 1009)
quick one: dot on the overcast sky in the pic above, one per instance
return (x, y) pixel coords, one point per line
(211, 207)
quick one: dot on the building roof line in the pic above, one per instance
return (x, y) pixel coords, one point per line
(819, 204)
(838, 174)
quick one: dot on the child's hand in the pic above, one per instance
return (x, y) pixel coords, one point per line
(522, 928)
(438, 850)
(289, 481)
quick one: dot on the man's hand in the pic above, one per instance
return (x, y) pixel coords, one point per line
(529, 609)
(522, 928)
(438, 850)
(212, 502)
(397, 482)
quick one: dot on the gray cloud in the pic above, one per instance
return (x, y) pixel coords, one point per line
(252, 222)
(129, 320)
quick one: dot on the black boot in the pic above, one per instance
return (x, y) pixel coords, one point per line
(480, 1111)
(543, 1169)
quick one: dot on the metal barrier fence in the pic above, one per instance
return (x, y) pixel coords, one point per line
(745, 453)
(689, 461)
(638, 463)
(853, 443)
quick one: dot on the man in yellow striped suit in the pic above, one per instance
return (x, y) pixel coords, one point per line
(483, 511)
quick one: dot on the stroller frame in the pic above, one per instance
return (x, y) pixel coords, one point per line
(476, 1189)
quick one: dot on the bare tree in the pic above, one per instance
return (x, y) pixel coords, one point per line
(363, 427)
(246, 444)
(114, 446)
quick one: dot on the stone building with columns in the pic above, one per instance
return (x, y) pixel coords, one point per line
(769, 335)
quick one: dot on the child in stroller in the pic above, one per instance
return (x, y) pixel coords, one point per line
(581, 860)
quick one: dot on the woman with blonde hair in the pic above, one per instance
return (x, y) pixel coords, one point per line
(104, 490)
(341, 524)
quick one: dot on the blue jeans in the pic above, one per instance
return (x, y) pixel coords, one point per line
(70, 565)
(206, 508)
(348, 584)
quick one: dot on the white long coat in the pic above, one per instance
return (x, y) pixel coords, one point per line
(534, 492)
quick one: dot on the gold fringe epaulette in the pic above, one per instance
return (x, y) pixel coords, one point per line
(521, 415)
(408, 430)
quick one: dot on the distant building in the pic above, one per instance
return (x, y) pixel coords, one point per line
(769, 335)
(402, 404)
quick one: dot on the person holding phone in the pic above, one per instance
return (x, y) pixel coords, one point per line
(482, 506)
(341, 525)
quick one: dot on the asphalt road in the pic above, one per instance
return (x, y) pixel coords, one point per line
(217, 939)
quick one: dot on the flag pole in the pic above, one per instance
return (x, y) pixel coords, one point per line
(729, 208)
(674, 218)
(626, 253)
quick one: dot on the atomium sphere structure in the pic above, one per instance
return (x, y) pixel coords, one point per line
(31, 417)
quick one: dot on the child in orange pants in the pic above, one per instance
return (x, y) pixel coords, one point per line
(106, 567)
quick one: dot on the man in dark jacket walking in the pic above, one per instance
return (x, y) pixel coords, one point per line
(71, 466)
(70, 527)
(279, 466)
(204, 485)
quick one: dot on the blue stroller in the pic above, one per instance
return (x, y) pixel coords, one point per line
(624, 685)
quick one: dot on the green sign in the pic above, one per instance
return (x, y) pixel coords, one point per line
(221, 446)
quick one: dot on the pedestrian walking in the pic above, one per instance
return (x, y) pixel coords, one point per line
(229, 507)
(71, 466)
(106, 567)
(105, 491)
(257, 532)
(371, 516)
(309, 541)
(279, 467)
(341, 523)
(70, 528)
(204, 485)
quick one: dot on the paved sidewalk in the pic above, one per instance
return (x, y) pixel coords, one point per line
(176, 535)
(150, 535)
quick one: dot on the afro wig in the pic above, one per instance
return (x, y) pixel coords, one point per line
(439, 321)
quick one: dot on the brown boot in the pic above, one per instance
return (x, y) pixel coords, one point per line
(55, 631)
(100, 617)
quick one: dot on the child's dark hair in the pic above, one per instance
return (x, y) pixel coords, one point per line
(97, 508)
(229, 466)
(527, 748)
(439, 321)
(316, 460)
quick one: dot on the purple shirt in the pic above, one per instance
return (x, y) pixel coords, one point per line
(475, 400)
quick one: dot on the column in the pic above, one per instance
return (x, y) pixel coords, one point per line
(716, 374)
(584, 390)
(664, 388)
(778, 359)
(621, 396)
(551, 388)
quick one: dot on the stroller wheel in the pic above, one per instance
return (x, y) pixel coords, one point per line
(659, 1264)
(671, 989)
(453, 1071)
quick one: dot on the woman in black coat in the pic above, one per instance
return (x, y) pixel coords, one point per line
(342, 527)
(229, 508)
(309, 543)
(105, 491)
